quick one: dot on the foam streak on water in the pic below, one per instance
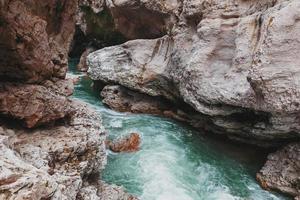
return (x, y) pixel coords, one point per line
(175, 162)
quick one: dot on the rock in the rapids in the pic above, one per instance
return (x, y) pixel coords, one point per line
(35, 38)
(32, 104)
(282, 171)
(130, 143)
(230, 60)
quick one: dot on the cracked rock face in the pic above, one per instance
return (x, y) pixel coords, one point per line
(52, 163)
(235, 62)
(281, 171)
(56, 162)
(32, 104)
(51, 147)
(35, 38)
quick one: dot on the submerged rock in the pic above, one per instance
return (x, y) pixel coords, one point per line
(282, 171)
(130, 143)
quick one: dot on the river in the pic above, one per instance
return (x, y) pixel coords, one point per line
(176, 162)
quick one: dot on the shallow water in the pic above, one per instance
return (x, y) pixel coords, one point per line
(176, 162)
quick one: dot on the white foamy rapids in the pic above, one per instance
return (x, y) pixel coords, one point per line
(159, 175)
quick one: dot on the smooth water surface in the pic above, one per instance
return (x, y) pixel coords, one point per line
(175, 162)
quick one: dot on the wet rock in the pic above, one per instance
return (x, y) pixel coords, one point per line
(130, 143)
(32, 104)
(224, 59)
(282, 171)
(108, 192)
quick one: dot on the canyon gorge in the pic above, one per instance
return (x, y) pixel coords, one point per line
(229, 70)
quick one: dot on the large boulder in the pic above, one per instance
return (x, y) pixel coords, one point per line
(35, 38)
(32, 104)
(229, 60)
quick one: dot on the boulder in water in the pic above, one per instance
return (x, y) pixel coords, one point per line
(130, 143)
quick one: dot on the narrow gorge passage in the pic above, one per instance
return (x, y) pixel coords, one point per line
(175, 162)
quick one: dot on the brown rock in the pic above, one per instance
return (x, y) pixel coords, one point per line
(32, 104)
(129, 143)
(35, 38)
(52, 163)
(143, 19)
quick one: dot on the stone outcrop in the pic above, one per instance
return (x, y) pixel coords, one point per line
(130, 143)
(144, 19)
(51, 147)
(56, 162)
(52, 163)
(32, 104)
(124, 100)
(281, 171)
(35, 38)
(230, 60)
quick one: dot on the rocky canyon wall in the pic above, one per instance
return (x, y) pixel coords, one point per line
(235, 62)
(51, 147)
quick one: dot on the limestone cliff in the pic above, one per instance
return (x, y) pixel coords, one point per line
(235, 62)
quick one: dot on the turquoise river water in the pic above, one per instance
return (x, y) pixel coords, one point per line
(175, 162)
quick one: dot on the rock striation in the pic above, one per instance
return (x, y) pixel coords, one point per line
(230, 61)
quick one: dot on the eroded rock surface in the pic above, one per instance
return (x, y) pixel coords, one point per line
(281, 171)
(229, 60)
(51, 147)
(52, 163)
(32, 104)
(35, 38)
(125, 100)
(130, 143)
(56, 162)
